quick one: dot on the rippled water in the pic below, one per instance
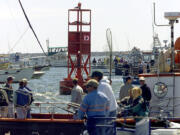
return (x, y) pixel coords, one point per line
(46, 88)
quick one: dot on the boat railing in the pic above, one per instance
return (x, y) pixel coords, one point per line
(53, 107)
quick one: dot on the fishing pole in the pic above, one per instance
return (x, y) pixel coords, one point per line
(65, 109)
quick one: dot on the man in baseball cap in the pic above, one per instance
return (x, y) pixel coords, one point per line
(95, 104)
(146, 92)
(9, 90)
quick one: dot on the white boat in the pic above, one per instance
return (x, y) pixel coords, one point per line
(37, 74)
(18, 73)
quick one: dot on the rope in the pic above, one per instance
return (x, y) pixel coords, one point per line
(18, 40)
(31, 27)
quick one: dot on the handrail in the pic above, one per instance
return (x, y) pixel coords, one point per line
(54, 105)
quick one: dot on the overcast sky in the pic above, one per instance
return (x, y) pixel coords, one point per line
(130, 22)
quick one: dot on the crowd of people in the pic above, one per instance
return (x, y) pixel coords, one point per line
(97, 104)
(18, 101)
(100, 102)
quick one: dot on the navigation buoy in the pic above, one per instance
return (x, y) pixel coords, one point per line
(79, 48)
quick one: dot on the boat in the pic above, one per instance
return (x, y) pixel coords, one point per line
(59, 124)
(37, 74)
(64, 124)
(42, 124)
(41, 68)
(18, 73)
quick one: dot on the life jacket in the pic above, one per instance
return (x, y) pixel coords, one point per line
(23, 98)
(3, 98)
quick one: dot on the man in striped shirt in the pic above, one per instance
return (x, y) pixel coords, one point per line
(94, 105)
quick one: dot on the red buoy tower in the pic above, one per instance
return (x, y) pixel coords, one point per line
(79, 47)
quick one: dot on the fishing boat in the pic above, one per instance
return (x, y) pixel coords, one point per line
(53, 123)
(37, 74)
(56, 123)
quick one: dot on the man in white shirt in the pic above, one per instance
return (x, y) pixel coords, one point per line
(106, 88)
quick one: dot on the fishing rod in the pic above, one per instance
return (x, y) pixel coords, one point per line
(65, 109)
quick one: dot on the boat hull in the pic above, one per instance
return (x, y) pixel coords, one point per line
(43, 124)
(59, 124)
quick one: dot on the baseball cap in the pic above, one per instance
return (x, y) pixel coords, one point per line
(25, 80)
(93, 83)
(141, 79)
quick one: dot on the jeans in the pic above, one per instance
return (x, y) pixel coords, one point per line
(10, 110)
(112, 113)
(21, 112)
(109, 130)
(29, 113)
(93, 128)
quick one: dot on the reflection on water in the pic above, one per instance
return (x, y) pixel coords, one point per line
(46, 89)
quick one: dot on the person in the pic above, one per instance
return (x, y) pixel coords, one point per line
(148, 67)
(140, 112)
(22, 101)
(106, 80)
(126, 67)
(146, 92)
(9, 90)
(115, 61)
(140, 68)
(3, 103)
(106, 88)
(95, 104)
(94, 61)
(125, 88)
(25, 81)
(76, 94)
(128, 100)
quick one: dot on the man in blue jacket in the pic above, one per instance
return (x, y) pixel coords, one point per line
(22, 101)
(94, 105)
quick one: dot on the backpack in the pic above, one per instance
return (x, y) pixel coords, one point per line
(3, 98)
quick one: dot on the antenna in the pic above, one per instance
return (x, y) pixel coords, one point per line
(172, 17)
(155, 17)
(165, 43)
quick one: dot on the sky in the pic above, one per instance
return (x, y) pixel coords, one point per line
(129, 20)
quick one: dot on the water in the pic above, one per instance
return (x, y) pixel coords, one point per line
(46, 88)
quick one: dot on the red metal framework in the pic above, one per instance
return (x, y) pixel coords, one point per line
(79, 47)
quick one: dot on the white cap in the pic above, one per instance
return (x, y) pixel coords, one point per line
(141, 79)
